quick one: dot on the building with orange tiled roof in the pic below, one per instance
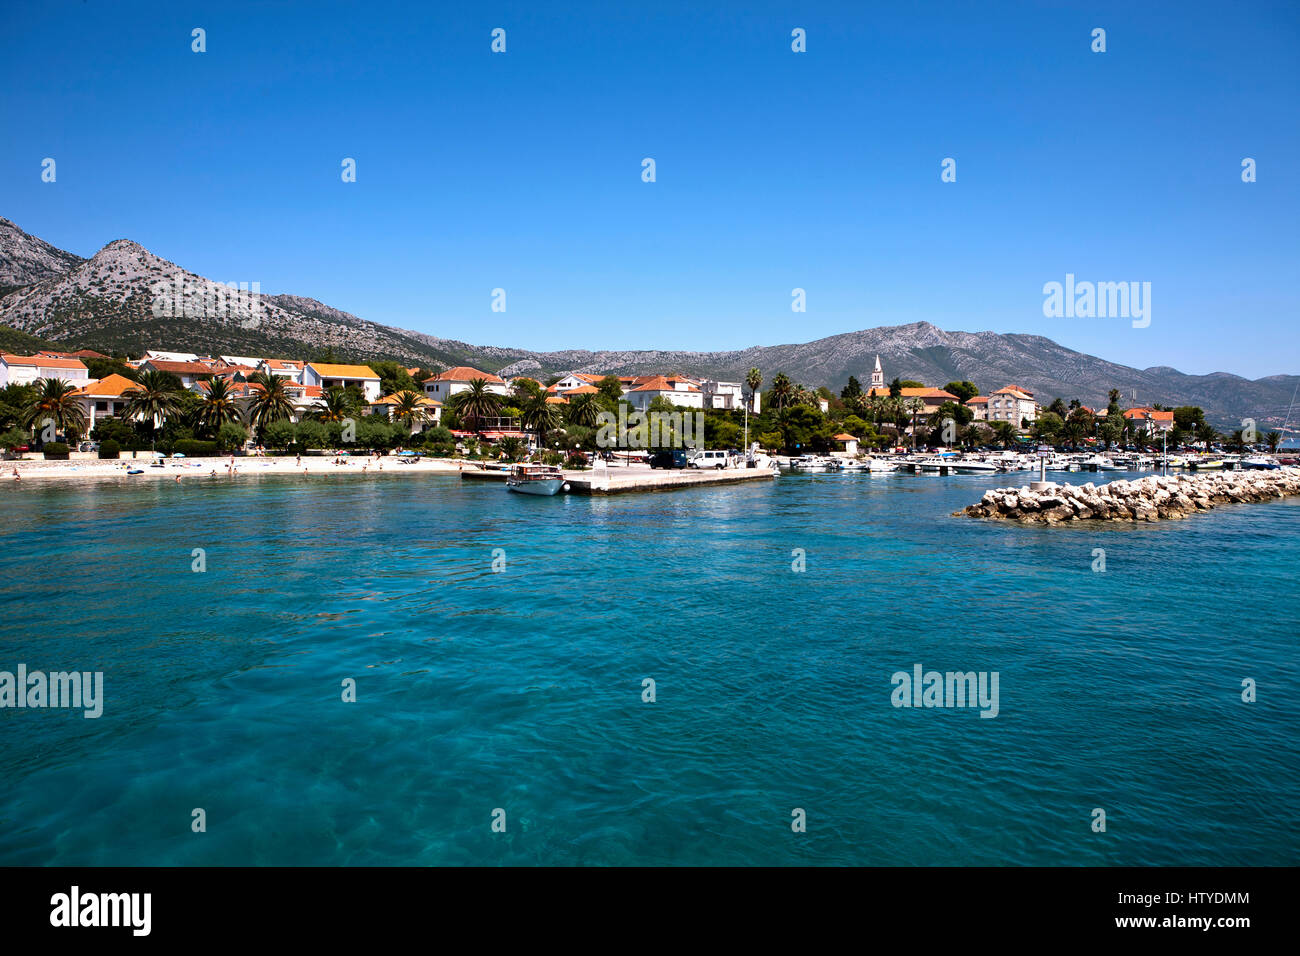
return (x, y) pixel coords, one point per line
(329, 375)
(26, 369)
(979, 406)
(1145, 417)
(431, 408)
(79, 354)
(187, 372)
(104, 398)
(444, 385)
(675, 389)
(1014, 404)
(284, 368)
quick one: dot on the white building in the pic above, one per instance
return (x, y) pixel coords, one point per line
(171, 356)
(26, 369)
(104, 398)
(432, 411)
(326, 375)
(676, 390)
(446, 384)
(729, 396)
(574, 380)
(284, 368)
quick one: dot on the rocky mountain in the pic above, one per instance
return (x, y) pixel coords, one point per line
(25, 260)
(126, 299)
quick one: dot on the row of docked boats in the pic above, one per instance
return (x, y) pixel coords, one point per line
(956, 463)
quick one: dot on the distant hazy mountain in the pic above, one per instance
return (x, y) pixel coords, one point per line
(125, 298)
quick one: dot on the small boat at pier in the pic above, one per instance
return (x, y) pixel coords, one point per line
(535, 479)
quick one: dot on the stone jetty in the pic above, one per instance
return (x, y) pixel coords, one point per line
(1153, 498)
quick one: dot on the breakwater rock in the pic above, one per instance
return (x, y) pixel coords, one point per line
(1152, 498)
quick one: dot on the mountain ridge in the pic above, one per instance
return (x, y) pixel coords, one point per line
(125, 298)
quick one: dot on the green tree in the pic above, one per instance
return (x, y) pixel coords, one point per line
(583, 410)
(279, 433)
(511, 448)
(312, 434)
(338, 404)
(155, 399)
(1048, 426)
(270, 401)
(782, 393)
(539, 416)
(851, 390)
(611, 390)
(218, 407)
(393, 378)
(410, 410)
(964, 390)
(1004, 433)
(231, 436)
(57, 402)
(14, 438)
(476, 403)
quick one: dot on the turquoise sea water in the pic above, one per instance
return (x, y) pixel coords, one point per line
(522, 690)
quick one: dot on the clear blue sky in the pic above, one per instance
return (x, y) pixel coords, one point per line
(775, 169)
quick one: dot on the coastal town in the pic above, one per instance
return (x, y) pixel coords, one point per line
(83, 404)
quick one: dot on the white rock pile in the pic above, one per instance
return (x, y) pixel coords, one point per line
(1152, 498)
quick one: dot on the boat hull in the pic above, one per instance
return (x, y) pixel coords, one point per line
(537, 486)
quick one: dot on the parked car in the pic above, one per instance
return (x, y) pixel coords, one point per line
(709, 459)
(672, 458)
(88, 446)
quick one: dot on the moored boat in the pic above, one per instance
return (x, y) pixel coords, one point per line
(1259, 463)
(535, 479)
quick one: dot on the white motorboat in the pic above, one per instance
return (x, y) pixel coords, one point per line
(973, 466)
(882, 466)
(809, 463)
(1259, 463)
(1101, 463)
(535, 479)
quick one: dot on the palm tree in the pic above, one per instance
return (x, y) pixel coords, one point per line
(1004, 432)
(155, 399)
(511, 447)
(337, 406)
(1237, 441)
(1206, 433)
(409, 409)
(753, 381)
(915, 406)
(539, 416)
(782, 391)
(56, 402)
(583, 410)
(270, 401)
(1273, 439)
(476, 403)
(219, 407)
(873, 406)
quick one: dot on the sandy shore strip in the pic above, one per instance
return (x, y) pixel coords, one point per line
(174, 469)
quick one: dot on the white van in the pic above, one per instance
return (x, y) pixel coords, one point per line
(709, 459)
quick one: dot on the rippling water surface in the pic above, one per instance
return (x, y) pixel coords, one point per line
(522, 690)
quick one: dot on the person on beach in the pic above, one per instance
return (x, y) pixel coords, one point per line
(298, 462)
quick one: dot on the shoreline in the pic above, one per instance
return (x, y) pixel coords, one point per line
(39, 470)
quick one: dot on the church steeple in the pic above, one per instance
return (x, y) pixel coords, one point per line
(878, 376)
